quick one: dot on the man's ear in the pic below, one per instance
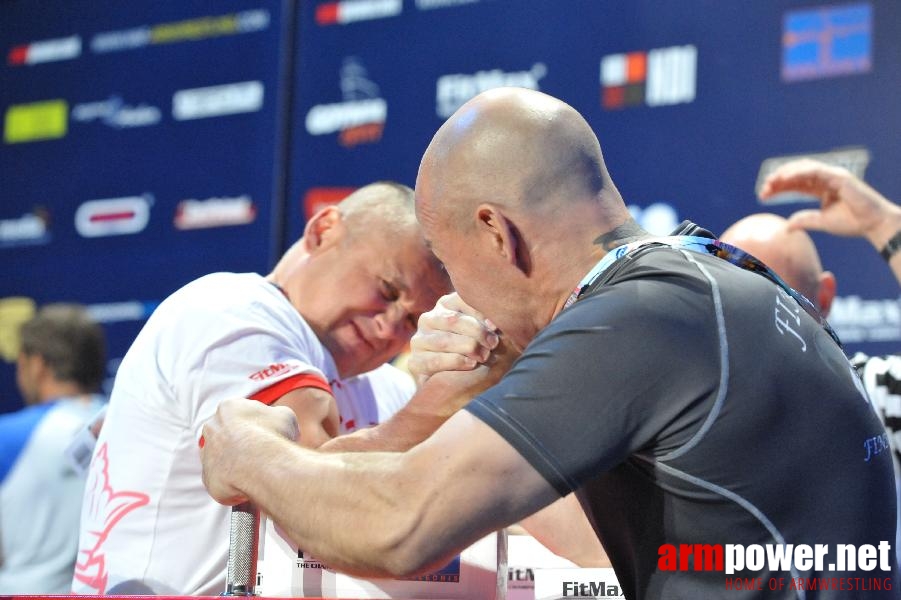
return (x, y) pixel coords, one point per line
(324, 229)
(503, 236)
(826, 292)
(33, 366)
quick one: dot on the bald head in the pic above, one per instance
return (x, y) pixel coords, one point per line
(789, 252)
(514, 196)
(515, 147)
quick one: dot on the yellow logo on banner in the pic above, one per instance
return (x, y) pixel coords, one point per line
(45, 120)
(194, 29)
(14, 311)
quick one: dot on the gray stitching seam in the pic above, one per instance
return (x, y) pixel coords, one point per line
(744, 503)
(724, 366)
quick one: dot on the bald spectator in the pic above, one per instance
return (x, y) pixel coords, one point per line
(788, 251)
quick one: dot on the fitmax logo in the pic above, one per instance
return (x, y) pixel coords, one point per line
(591, 589)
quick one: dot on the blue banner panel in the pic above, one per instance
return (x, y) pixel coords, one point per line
(693, 102)
(141, 148)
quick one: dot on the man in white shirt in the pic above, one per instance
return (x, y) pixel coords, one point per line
(341, 302)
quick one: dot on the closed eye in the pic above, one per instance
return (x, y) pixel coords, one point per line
(389, 291)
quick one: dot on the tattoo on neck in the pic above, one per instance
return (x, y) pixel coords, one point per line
(623, 234)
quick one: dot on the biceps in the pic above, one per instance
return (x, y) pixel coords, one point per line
(316, 412)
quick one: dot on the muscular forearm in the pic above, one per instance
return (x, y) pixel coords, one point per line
(367, 523)
(371, 513)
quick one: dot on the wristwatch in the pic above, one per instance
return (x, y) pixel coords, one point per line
(891, 247)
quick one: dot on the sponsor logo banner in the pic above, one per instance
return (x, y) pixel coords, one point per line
(113, 112)
(433, 4)
(217, 100)
(551, 584)
(658, 77)
(318, 198)
(14, 312)
(360, 117)
(44, 51)
(858, 320)
(113, 216)
(452, 91)
(853, 158)
(827, 41)
(36, 121)
(214, 212)
(351, 11)
(116, 312)
(28, 230)
(189, 30)
(330, 118)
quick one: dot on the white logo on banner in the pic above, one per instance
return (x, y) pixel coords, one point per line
(855, 159)
(115, 113)
(214, 212)
(361, 106)
(217, 100)
(857, 319)
(113, 216)
(453, 91)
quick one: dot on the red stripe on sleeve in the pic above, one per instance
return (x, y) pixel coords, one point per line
(301, 380)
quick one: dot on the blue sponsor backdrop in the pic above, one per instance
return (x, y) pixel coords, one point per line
(692, 101)
(174, 123)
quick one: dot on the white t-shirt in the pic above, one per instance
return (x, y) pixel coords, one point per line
(148, 525)
(371, 398)
(40, 496)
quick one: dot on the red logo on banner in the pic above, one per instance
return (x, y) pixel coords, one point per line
(318, 198)
(327, 14)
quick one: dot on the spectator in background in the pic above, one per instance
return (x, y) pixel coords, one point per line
(849, 207)
(60, 367)
(342, 301)
(789, 252)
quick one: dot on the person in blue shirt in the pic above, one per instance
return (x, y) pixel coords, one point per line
(59, 371)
